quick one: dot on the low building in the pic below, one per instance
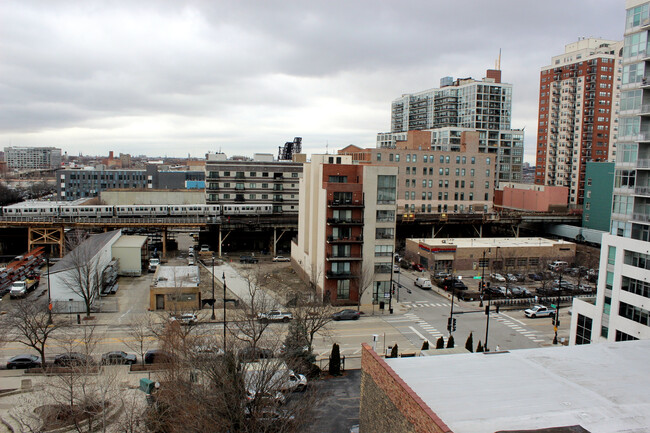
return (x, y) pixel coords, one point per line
(493, 254)
(79, 274)
(531, 198)
(595, 388)
(175, 288)
(131, 253)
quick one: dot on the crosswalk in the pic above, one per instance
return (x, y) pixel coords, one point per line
(515, 325)
(411, 317)
(421, 304)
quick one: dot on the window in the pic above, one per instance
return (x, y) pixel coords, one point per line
(384, 233)
(415, 158)
(408, 183)
(424, 158)
(583, 331)
(473, 160)
(343, 289)
(253, 174)
(397, 157)
(379, 157)
(611, 255)
(386, 189)
(622, 336)
(638, 260)
(385, 215)
(383, 250)
(636, 314)
(408, 157)
(408, 170)
(338, 179)
(638, 287)
(383, 268)
(294, 174)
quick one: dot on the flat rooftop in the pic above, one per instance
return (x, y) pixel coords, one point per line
(601, 387)
(130, 241)
(177, 276)
(491, 242)
(47, 203)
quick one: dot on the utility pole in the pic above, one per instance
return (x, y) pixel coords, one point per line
(224, 311)
(450, 322)
(556, 319)
(49, 293)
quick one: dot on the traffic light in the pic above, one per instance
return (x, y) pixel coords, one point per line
(449, 322)
(453, 325)
(487, 310)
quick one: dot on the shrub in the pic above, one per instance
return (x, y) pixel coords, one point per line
(469, 344)
(450, 342)
(479, 348)
(425, 345)
(440, 344)
(393, 352)
(335, 361)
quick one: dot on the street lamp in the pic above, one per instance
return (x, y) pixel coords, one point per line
(556, 320)
(49, 294)
(213, 299)
(223, 276)
(487, 309)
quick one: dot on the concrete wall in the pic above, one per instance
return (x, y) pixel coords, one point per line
(540, 199)
(388, 404)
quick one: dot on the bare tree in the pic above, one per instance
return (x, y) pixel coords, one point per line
(83, 277)
(313, 316)
(28, 324)
(141, 335)
(365, 280)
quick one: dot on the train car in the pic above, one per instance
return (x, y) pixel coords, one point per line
(193, 210)
(142, 210)
(100, 211)
(247, 209)
(36, 210)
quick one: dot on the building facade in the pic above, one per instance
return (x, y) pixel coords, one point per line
(599, 186)
(578, 107)
(456, 107)
(621, 309)
(25, 158)
(346, 229)
(531, 198)
(261, 180)
(458, 179)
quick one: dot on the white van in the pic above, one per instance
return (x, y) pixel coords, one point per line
(423, 283)
(558, 265)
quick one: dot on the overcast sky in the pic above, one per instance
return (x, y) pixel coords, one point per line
(187, 77)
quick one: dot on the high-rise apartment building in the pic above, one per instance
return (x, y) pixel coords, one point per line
(346, 229)
(578, 107)
(621, 309)
(462, 105)
(260, 180)
(25, 158)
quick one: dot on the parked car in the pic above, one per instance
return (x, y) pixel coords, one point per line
(275, 316)
(156, 356)
(539, 311)
(558, 265)
(396, 269)
(185, 318)
(535, 277)
(205, 248)
(520, 277)
(519, 291)
(72, 359)
(346, 314)
(498, 277)
(23, 361)
(585, 288)
(249, 353)
(118, 358)
(423, 283)
(441, 275)
(494, 291)
(248, 259)
(281, 259)
(511, 278)
(418, 267)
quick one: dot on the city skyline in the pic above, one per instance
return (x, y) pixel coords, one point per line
(178, 79)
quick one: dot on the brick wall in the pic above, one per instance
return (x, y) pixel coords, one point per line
(388, 404)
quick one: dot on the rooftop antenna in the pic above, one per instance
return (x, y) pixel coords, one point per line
(327, 147)
(499, 64)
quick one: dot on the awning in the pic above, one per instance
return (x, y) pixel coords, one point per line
(443, 256)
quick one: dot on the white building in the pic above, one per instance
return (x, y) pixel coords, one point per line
(346, 229)
(621, 309)
(82, 267)
(20, 158)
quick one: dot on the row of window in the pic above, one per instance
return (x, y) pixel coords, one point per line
(410, 195)
(242, 174)
(638, 287)
(636, 314)
(253, 196)
(444, 183)
(443, 159)
(445, 208)
(242, 185)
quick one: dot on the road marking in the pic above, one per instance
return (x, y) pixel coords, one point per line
(418, 334)
(539, 341)
(512, 318)
(421, 302)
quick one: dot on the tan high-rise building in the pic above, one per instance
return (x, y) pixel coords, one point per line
(346, 229)
(578, 108)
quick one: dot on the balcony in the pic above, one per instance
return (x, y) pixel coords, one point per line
(641, 217)
(348, 258)
(344, 222)
(340, 275)
(642, 190)
(345, 203)
(348, 240)
(645, 110)
(278, 198)
(643, 163)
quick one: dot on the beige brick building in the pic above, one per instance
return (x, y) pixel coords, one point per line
(457, 180)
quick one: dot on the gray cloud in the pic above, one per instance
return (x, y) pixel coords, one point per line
(167, 77)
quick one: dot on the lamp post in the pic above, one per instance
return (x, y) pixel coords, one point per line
(213, 299)
(487, 309)
(451, 312)
(556, 319)
(223, 276)
(49, 294)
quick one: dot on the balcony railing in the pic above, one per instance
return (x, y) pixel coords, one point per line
(642, 190)
(642, 217)
(349, 257)
(643, 163)
(338, 221)
(348, 240)
(340, 275)
(346, 203)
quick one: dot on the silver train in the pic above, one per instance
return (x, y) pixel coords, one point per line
(104, 211)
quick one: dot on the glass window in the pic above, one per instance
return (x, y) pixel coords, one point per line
(385, 215)
(383, 250)
(343, 289)
(583, 331)
(386, 189)
(611, 255)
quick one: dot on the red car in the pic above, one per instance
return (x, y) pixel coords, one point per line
(418, 267)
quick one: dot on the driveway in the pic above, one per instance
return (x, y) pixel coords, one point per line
(339, 409)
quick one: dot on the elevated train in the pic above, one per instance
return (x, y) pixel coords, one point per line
(129, 211)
